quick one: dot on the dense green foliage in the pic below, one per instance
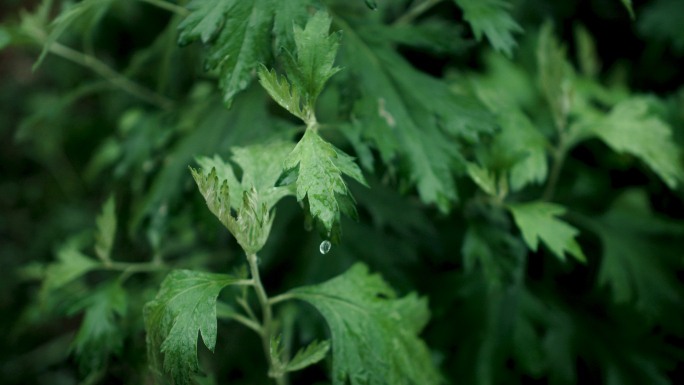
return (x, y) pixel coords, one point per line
(342, 192)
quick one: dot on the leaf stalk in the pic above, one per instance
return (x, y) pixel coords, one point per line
(414, 12)
(267, 313)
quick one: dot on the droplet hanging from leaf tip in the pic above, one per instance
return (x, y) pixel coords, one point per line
(325, 247)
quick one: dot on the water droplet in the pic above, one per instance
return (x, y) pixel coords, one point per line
(325, 247)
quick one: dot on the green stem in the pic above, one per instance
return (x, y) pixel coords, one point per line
(131, 268)
(559, 155)
(248, 309)
(168, 6)
(267, 313)
(414, 12)
(280, 298)
(127, 268)
(243, 320)
(114, 77)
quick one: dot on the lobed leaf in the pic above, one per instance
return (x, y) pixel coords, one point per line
(537, 221)
(555, 74)
(71, 264)
(635, 265)
(281, 92)
(319, 178)
(374, 333)
(630, 128)
(315, 56)
(184, 306)
(253, 222)
(490, 17)
(496, 253)
(100, 334)
(308, 356)
(261, 166)
(406, 113)
(238, 33)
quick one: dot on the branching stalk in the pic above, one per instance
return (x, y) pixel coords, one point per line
(113, 76)
(559, 154)
(248, 309)
(131, 268)
(267, 313)
(280, 298)
(415, 11)
(243, 320)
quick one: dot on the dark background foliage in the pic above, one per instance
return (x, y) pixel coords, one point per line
(52, 187)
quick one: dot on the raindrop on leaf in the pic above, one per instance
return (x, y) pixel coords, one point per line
(325, 247)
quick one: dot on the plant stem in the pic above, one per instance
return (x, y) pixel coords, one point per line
(128, 268)
(168, 6)
(131, 268)
(242, 319)
(267, 313)
(414, 12)
(248, 309)
(114, 77)
(559, 154)
(280, 298)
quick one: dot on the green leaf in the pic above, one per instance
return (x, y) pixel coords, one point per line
(106, 229)
(588, 58)
(555, 75)
(404, 112)
(224, 172)
(319, 178)
(207, 128)
(261, 166)
(88, 12)
(184, 306)
(524, 146)
(253, 222)
(637, 265)
(631, 128)
(661, 20)
(374, 333)
(71, 264)
(347, 165)
(519, 148)
(491, 18)
(537, 220)
(289, 14)
(305, 357)
(522, 140)
(372, 4)
(433, 34)
(238, 33)
(484, 178)
(100, 334)
(499, 255)
(5, 37)
(315, 56)
(205, 20)
(308, 356)
(628, 6)
(280, 92)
